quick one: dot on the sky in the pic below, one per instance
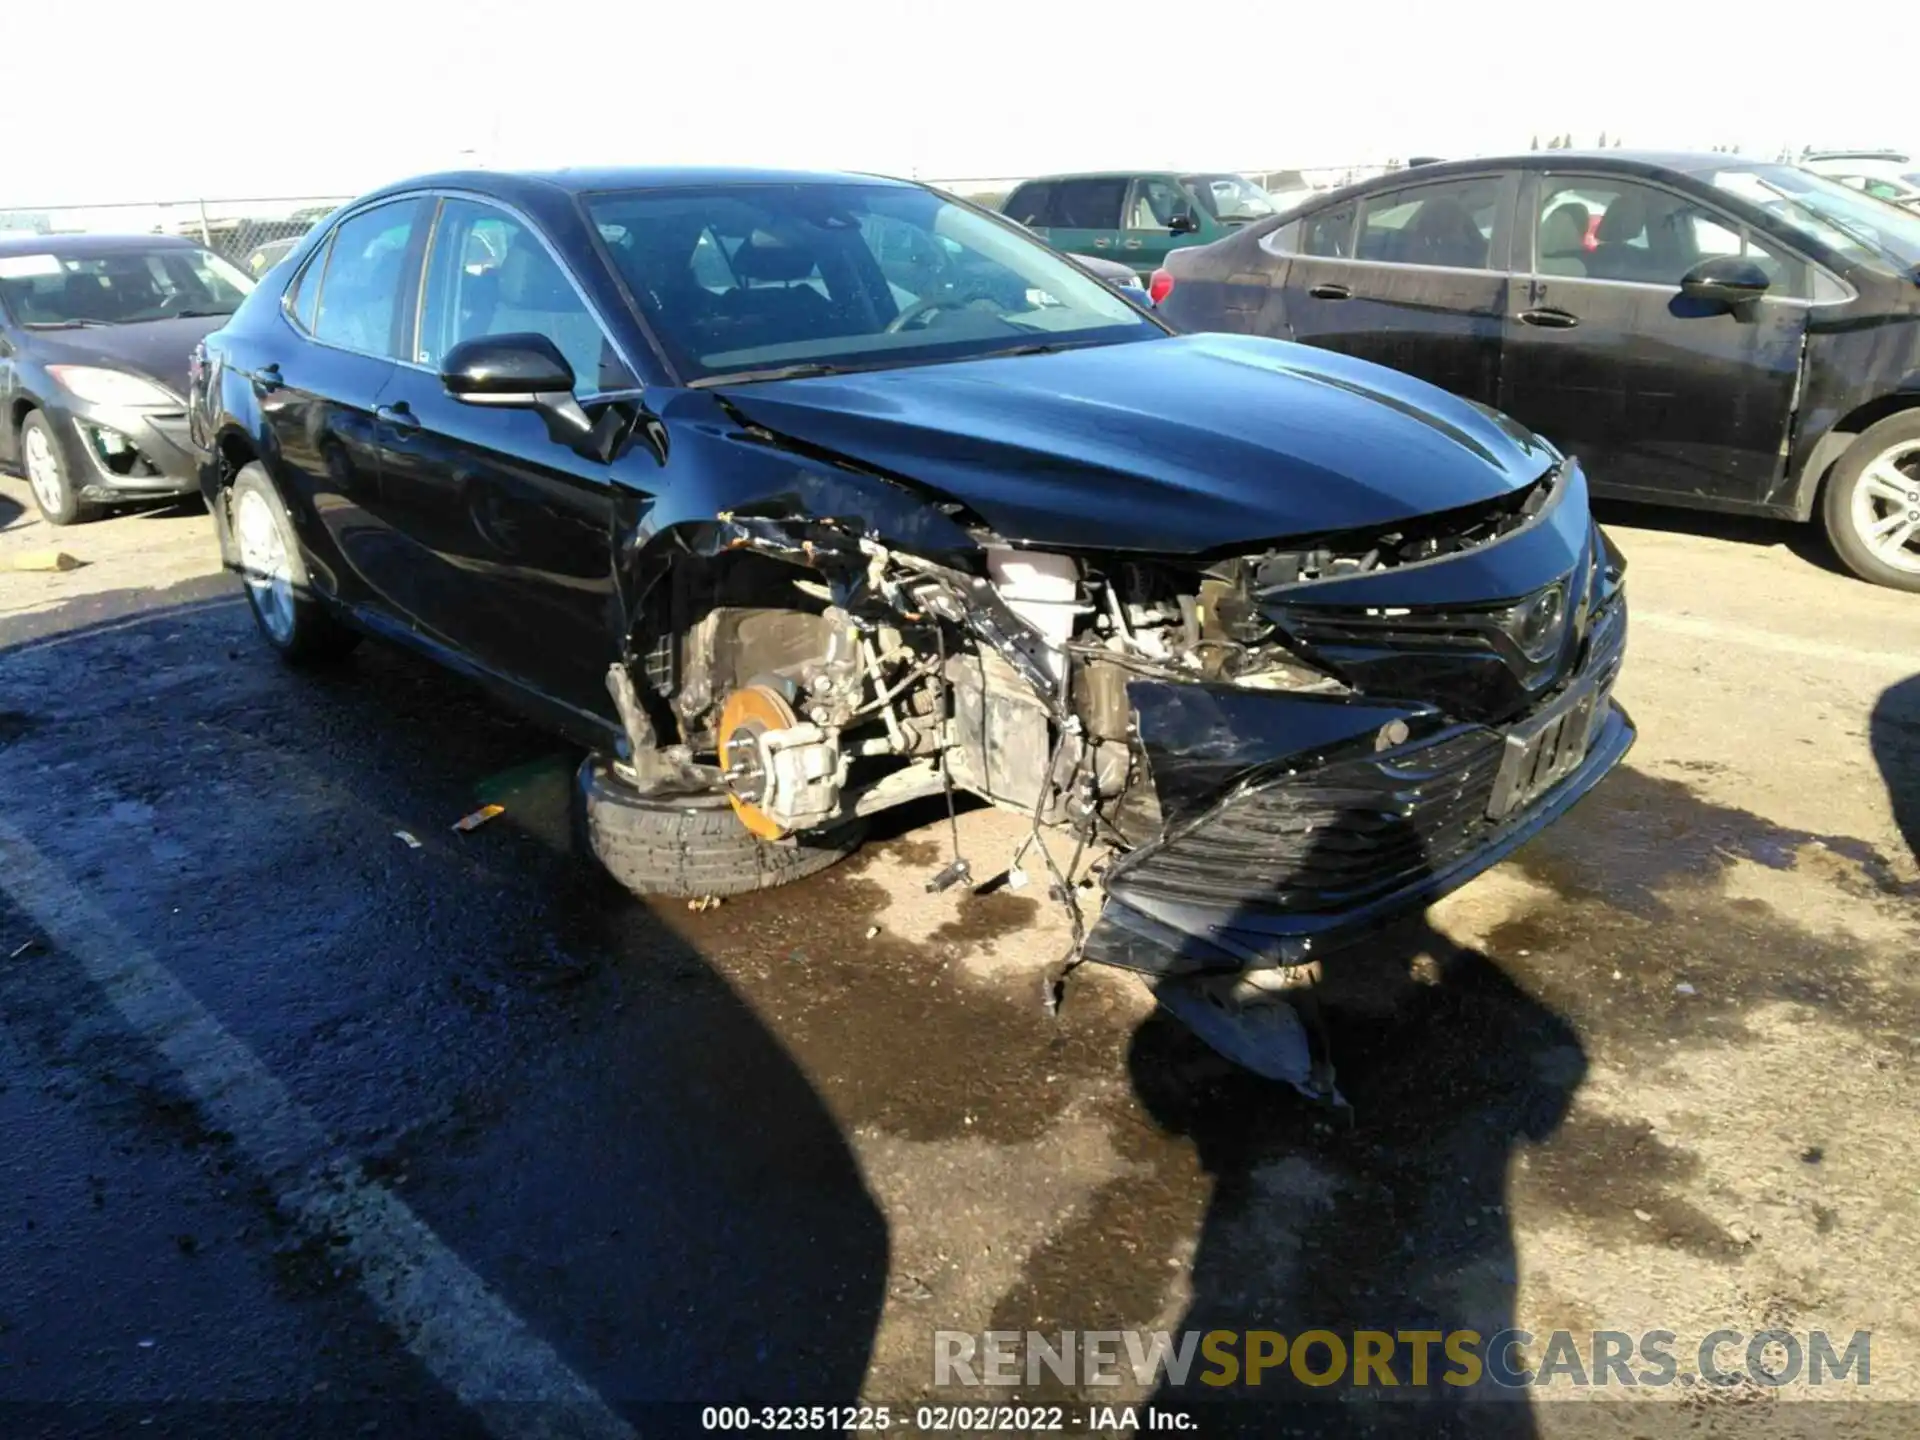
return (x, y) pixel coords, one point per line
(336, 98)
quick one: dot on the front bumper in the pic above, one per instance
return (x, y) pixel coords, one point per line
(118, 452)
(1141, 928)
(1298, 826)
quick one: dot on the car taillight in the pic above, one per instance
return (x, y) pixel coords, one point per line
(1160, 286)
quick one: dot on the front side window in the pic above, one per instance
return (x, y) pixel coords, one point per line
(55, 290)
(1231, 198)
(358, 307)
(1448, 224)
(1607, 229)
(488, 274)
(746, 278)
(1154, 203)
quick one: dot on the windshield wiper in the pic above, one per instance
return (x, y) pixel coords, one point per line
(197, 315)
(778, 372)
(65, 324)
(1044, 347)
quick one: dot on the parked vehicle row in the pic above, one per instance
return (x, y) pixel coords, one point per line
(1699, 330)
(1137, 218)
(795, 497)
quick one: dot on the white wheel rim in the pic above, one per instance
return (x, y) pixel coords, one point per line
(263, 560)
(43, 471)
(1886, 506)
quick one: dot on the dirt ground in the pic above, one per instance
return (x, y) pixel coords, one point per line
(1654, 1073)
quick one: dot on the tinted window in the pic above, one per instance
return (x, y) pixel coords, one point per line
(1087, 204)
(487, 274)
(1329, 232)
(1029, 203)
(754, 277)
(1450, 224)
(359, 302)
(1231, 197)
(1606, 229)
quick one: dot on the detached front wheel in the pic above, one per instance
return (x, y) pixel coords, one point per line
(692, 845)
(1873, 503)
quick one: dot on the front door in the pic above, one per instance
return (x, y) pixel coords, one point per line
(516, 527)
(1661, 397)
(1414, 278)
(1147, 235)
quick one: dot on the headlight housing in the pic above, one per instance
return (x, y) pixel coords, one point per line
(110, 387)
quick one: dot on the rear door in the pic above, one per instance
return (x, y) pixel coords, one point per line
(318, 392)
(1414, 277)
(1661, 397)
(509, 531)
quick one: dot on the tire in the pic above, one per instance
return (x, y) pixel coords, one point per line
(290, 618)
(691, 845)
(44, 464)
(1872, 505)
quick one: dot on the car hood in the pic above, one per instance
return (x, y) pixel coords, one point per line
(1178, 445)
(157, 349)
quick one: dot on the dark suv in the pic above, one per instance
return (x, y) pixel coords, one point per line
(796, 497)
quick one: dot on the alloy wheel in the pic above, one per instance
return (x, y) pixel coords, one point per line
(263, 561)
(43, 471)
(1886, 506)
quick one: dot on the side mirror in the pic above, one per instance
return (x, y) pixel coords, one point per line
(524, 372)
(1182, 224)
(1725, 280)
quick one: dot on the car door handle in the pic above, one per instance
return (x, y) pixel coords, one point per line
(398, 416)
(1330, 292)
(1130, 244)
(1101, 243)
(1549, 319)
(267, 379)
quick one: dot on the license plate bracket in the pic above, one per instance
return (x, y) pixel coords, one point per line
(1544, 749)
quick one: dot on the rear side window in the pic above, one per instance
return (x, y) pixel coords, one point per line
(1449, 224)
(366, 276)
(304, 298)
(1154, 203)
(1028, 203)
(1329, 232)
(1088, 204)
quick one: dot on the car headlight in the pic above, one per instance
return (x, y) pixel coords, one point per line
(110, 387)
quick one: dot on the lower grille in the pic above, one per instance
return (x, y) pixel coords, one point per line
(1334, 837)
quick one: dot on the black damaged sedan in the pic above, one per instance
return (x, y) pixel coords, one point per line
(1288, 642)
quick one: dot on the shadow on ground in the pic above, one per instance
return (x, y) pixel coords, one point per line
(561, 1086)
(1895, 735)
(1807, 541)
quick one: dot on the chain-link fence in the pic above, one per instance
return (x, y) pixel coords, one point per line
(254, 234)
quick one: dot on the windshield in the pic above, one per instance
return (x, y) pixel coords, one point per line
(1231, 197)
(119, 287)
(748, 278)
(1829, 213)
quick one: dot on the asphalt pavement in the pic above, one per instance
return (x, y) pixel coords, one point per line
(320, 1116)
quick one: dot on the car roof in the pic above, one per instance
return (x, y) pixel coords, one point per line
(1631, 161)
(81, 246)
(527, 184)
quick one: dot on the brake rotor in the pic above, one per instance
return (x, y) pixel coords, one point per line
(748, 714)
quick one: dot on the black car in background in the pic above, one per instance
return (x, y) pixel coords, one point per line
(1698, 329)
(797, 497)
(95, 333)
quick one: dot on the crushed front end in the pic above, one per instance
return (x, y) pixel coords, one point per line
(1293, 822)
